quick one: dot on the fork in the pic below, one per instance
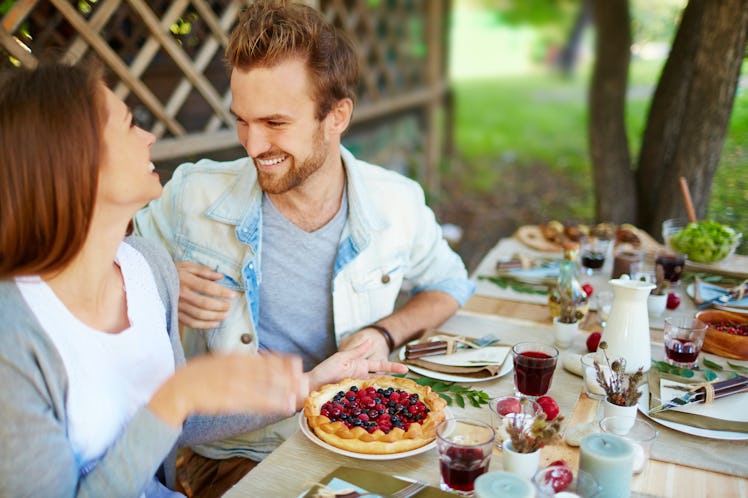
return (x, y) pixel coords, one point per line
(409, 490)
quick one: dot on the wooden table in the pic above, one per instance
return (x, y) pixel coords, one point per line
(298, 463)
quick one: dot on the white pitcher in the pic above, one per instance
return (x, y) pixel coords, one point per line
(627, 331)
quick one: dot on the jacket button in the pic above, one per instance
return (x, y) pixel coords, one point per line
(246, 338)
(385, 279)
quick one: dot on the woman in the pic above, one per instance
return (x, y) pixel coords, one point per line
(96, 397)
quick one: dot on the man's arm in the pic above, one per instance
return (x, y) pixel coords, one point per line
(424, 310)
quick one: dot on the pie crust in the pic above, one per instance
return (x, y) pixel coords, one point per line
(358, 439)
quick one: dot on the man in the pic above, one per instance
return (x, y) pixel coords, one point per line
(300, 247)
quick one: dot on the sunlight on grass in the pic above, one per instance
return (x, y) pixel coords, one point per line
(516, 120)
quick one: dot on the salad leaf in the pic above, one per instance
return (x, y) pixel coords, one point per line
(705, 241)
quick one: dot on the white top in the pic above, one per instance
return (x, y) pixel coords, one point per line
(110, 375)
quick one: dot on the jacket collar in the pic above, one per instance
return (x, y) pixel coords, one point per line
(236, 207)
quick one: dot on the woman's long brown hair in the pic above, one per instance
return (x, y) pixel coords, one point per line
(51, 125)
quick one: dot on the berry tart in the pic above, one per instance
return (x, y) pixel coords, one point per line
(383, 415)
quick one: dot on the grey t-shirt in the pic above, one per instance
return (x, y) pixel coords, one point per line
(295, 291)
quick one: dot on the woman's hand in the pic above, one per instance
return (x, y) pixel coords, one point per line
(220, 384)
(352, 363)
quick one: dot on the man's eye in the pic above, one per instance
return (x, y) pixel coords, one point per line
(275, 124)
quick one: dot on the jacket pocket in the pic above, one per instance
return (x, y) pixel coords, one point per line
(231, 270)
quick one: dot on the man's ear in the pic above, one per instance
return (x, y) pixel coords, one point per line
(340, 115)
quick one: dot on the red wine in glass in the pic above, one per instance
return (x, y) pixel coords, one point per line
(682, 352)
(460, 467)
(672, 265)
(594, 260)
(533, 371)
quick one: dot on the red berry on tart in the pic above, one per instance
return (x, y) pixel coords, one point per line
(383, 415)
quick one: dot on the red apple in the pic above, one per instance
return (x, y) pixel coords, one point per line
(549, 406)
(592, 341)
(508, 405)
(673, 301)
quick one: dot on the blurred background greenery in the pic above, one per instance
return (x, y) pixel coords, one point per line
(521, 120)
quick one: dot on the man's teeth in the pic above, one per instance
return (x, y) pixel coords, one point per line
(271, 162)
(152, 167)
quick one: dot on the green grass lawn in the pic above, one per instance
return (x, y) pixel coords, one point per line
(538, 118)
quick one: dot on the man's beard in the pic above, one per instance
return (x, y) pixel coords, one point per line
(271, 183)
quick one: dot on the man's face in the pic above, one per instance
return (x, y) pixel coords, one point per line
(276, 124)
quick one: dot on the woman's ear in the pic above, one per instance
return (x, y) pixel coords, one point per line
(340, 115)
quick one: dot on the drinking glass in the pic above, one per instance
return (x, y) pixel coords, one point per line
(534, 364)
(684, 336)
(591, 386)
(671, 227)
(603, 303)
(640, 433)
(672, 263)
(593, 253)
(465, 447)
(506, 410)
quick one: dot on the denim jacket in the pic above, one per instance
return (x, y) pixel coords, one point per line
(211, 213)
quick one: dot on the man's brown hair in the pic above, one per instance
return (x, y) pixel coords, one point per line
(51, 125)
(272, 31)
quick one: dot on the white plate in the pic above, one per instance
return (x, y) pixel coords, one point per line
(363, 456)
(643, 406)
(506, 367)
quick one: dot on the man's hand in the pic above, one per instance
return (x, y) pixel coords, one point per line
(355, 363)
(202, 302)
(379, 349)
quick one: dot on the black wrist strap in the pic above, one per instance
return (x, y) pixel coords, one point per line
(385, 333)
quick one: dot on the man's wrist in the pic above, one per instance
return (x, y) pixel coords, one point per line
(385, 333)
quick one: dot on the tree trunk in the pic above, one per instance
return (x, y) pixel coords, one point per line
(567, 61)
(690, 111)
(615, 194)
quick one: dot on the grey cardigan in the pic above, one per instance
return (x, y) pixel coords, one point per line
(36, 458)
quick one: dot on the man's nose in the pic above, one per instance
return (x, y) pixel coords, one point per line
(255, 141)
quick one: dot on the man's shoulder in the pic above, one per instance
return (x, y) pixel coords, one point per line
(380, 177)
(208, 167)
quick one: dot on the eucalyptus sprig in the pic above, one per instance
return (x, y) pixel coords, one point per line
(711, 370)
(515, 285)
(454, 393)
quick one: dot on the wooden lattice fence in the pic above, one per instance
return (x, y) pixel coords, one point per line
(166, 59)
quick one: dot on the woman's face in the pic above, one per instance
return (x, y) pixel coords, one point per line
(126, 176)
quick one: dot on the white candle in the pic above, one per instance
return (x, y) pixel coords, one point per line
(500, 484)
(609, 459)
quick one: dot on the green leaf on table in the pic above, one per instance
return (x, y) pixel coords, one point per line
(710, 375)
(665, 367)
(712, 365)
(452, 392)
(739, 368)
(516, 285)
(460, 400)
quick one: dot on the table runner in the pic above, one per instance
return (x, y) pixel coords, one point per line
(309, 463)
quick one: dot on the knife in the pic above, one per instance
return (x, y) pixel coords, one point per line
(722, 389)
